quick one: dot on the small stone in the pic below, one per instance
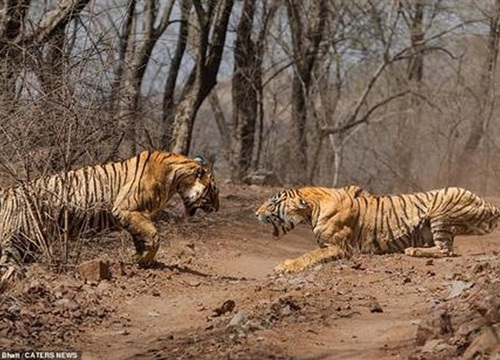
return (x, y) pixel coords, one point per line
(116, 269)
(375, 307)
(239, 319)
(435, 345)
(285, 311)
(479, 268)
(457, 287)
(103, 286)
(67, 304)
(227, 306)
(93, 271)
(153, 313)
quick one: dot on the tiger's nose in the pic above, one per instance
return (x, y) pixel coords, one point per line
(263, 217)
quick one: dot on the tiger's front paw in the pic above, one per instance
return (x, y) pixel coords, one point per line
(289, 266)
(144, 261)
(432, 252)
(411, 251)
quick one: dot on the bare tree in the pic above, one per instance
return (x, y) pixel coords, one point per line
(485, 99)
(169, 102)
(132, 70)
(213, 20)
(413, 13)
(18, 41)
(307, 28)
(247, 85)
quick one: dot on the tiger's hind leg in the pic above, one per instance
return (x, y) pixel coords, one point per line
(310, 259)
(10, 265)
(442, 237)
(144, 235)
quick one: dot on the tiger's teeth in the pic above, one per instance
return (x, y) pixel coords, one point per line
(276, 232)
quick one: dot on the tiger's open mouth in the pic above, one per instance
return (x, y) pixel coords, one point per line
(199, 204)
(277, 224)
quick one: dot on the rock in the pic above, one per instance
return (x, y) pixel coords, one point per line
(252, 326)
(435, 345)
(285, 311)
(437, 326)
(481, 267)
(457, 287)
(67, 304)
(153, 313)
(116, 269)
(103, 287)
(93, 270)
(375, 307)
(76, 314)
(296, 280)
(482, 345)
(238, 320)
(227, 306)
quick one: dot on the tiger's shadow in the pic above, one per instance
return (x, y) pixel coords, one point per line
(159, 265)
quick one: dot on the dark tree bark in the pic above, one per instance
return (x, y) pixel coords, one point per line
(486, 99)
(247, 87)
(411, 112)
(123, 45)
(133, 71)
(306, 32)
(173, 72)
(51, 66)
(213, 22)
(485, 83)
(16, 39)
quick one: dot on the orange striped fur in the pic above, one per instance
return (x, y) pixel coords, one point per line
(351, 220)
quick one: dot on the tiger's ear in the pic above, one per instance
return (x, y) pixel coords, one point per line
(200, 159)
(302, 204)
(356, 191)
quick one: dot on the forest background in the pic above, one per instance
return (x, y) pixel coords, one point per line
(393, 96)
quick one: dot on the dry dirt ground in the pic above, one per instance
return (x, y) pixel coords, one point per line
(216, 297)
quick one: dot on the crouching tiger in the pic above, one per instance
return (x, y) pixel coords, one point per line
(349, 220)
(116, 195)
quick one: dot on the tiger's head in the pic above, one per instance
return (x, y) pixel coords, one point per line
(284, 211)
(198, 188)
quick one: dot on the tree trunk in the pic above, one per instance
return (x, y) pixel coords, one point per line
(203, 77)
(306, 38)
(132, 73)
(246, 79)
(123, 46)
(486, 99)
(15, 39)
(52, 67)
(409, 125)
(168, 112)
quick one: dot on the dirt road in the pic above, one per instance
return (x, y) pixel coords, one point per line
(217, 297)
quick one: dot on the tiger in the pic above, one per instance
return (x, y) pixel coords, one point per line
(116, 195)
(351, 220)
